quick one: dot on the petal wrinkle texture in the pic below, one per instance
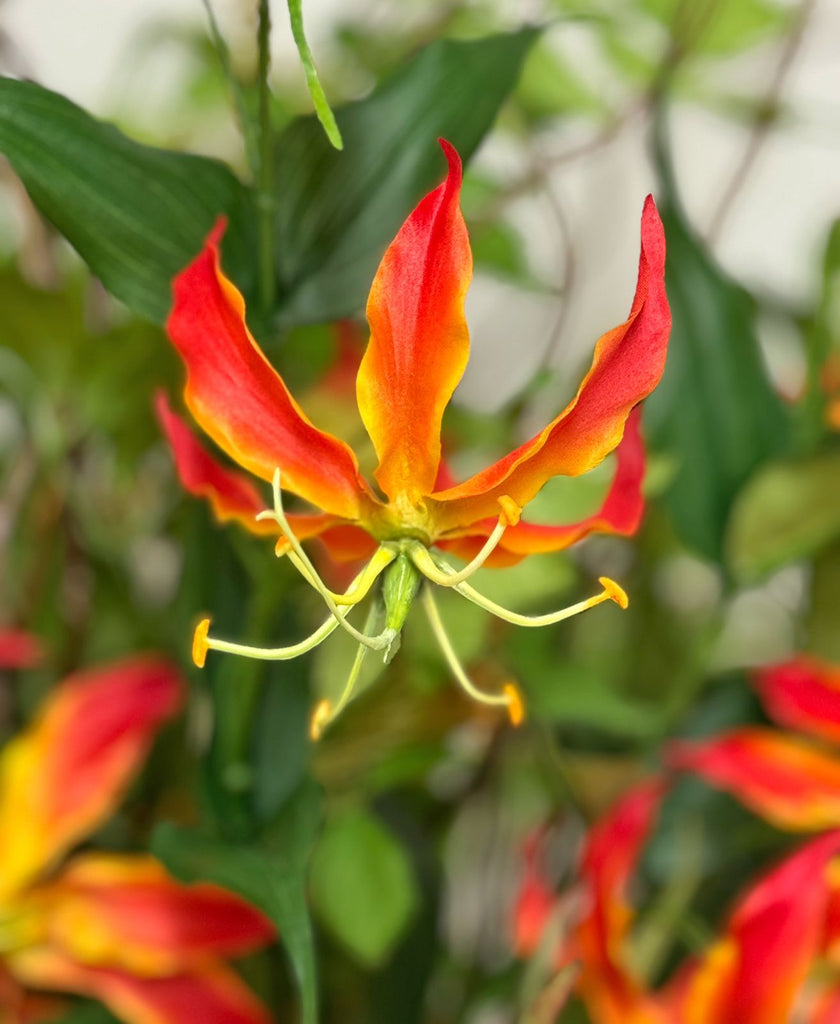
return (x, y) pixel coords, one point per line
(626, 367)
(241, 401)
(419, 340)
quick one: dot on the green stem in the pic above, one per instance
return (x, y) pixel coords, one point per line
(246, 124)
(265, 178)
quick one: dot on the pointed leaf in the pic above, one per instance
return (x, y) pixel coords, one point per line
(715, 410)
(337, 211)
(135, 214)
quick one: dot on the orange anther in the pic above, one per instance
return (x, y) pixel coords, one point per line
(515, 705)
(614, 592)
(320, 719)
(199, 644)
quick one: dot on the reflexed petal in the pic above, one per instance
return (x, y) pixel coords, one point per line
(127, 912)
(804, 694)
(65, 773)
(773, 938)
(785, 780)
(231, 495)
(19, 649)
(213, 994)
(242, 403)
(419, 339)
(627, 366)
(620, 513)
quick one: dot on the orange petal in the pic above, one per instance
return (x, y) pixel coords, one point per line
(753, 976)
(17, 1006)
(785, 780)
(242, 403)
(127, 912)
(211, 995)
(620, 513)
(419, 340)
(231, 495)
(67, 771)
(627, 366)
(803, 693)
(19, 649)
(607, 983)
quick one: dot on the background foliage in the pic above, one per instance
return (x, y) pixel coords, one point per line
(393, 847)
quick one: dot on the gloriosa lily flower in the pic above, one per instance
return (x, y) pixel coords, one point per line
(114, 927)
(415, 358)
(774, 962)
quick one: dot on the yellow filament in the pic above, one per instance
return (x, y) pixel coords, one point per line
(510, 696)
(421, 558)
(611, 592)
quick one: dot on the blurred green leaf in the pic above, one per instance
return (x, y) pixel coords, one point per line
(789, 510)
(550, 87)
(730, 28)
(337, 211)
(135, 214)
(822, 346)
(715, 410)
(572, 695)
(362, 885)
(270, 874)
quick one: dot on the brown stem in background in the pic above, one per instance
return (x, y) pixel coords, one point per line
(765, 118)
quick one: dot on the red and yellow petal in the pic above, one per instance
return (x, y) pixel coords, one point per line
(419, 340)
(627, 366)
(231, 495)
(607, 983)
(755, 973)
(17, 1006)
(620, 513)
(242, 403)
(127, 912)
(19, 649)
(788, 781)
(67, 771)
(803, 694)
(213, 994)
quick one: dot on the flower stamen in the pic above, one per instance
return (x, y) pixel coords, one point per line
(611, 592)
(203, 642)
(423, 560)
(510, 697)
(302, 563)
(326, 711)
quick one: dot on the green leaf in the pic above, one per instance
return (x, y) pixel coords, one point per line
(733, 27)
(363, 887)
(550, 87)
(790, 510)
(270, 874)
(338, 211)
(316, 90)
(135, 214)
(715, 411)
